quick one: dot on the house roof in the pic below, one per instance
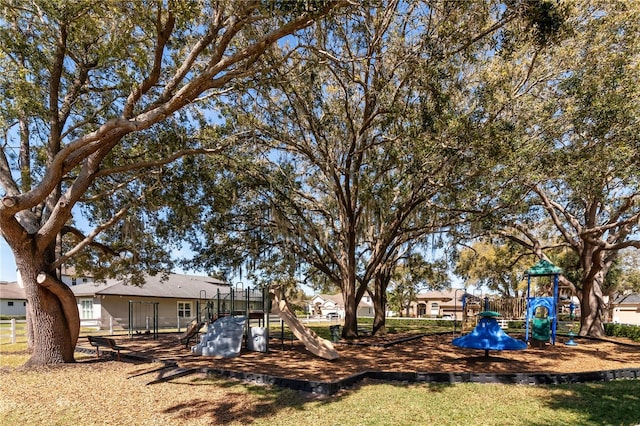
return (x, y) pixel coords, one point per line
(11, 290)
(446, 297)
(176, 286)
(628, 299)
(338, 300)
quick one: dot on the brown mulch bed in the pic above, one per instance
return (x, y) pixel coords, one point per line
(433, 353)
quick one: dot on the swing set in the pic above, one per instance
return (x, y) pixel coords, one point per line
(143, 318)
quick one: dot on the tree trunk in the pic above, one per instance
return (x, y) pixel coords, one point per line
(591, 305)
(379, 315)
(52, 314)
(350, 328)
(379, 298)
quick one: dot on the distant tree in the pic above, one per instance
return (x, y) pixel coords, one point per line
(412, 276)
(629, 280)
(498, 266)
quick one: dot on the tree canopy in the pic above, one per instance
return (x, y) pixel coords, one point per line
(576, 133)
(336, 144)
(363, 136)
(84, 84)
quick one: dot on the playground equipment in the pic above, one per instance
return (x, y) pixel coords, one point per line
(251, 303)
(192, 329)
(571, 335)
(143, 318)
(314, 343)
(543, 268)
(226, 310)
(488, 335)
(471, 307)
(540, 327)
(223, 338)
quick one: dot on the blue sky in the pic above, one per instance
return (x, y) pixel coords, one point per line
(7, 262)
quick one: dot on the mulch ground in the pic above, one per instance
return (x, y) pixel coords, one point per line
(433, 353)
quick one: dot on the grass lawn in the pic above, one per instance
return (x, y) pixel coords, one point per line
(110, 393)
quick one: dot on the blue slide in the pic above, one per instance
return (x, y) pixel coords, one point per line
(489, 336)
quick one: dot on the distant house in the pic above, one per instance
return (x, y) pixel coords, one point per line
(329, 305)
(70, 277)
(437, 304)
(106, 305)
(626, 309)
(13, 301)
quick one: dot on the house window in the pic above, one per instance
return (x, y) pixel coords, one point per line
(10, 303)
(184, 309)
(435, 309)
(86, 309)
(73, 281)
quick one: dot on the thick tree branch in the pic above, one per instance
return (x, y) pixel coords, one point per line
(156, 163)
(163, 35)
(552, 207)
(68, 302)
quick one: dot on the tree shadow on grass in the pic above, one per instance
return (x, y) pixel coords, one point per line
(616, 402)
(239, 403)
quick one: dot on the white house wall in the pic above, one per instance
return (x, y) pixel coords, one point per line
(626, 315)
(116, 310)
(11, 307)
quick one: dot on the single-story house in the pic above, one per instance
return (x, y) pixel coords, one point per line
(328, 305)
(107, 305)
(437, 304)
(626, 309)
(13, 301)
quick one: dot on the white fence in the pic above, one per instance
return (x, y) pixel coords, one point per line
(10, 331)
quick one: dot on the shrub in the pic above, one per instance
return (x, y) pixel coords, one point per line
(623, 330)
(516, 324)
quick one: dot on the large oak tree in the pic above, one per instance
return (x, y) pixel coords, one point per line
(83, 82)
(365, 131)
(572, 152)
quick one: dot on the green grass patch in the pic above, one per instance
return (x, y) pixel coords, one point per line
(471, 404)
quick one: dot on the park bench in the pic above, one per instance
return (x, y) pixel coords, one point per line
(105, 342)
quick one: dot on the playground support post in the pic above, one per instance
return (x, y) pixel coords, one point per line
(554, 323)
(455, 307)
(155, 317)
(526, 326)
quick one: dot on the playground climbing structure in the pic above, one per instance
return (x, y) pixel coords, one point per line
(223, 338)
(543, 268)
